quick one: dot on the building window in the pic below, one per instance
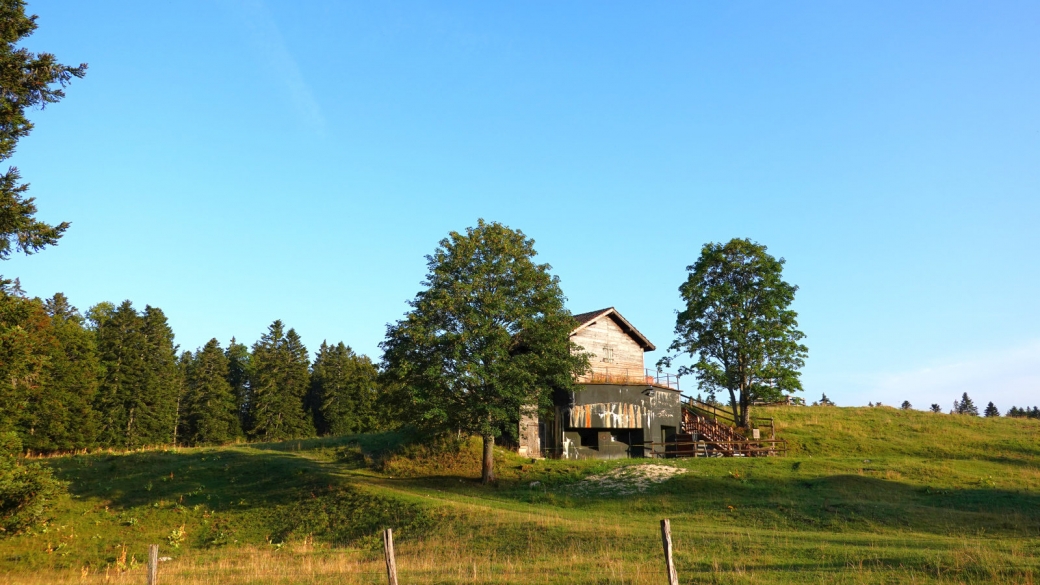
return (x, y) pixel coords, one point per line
(608, 355)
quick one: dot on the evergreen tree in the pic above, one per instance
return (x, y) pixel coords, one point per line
(906, 405)
(48, 372)
(279, 383)
(27, 80)
(118, 339)
(163, 382)
(137, 396)
(935, 408)
(180, 430)
(343, 391)
(62, 417)
(965, 406)
(237, 355)
(22, 353)
(210, 409)
(991, 410)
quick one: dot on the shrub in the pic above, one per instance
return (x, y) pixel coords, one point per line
(27, 491)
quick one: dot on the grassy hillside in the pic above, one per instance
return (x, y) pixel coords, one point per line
(868, 495)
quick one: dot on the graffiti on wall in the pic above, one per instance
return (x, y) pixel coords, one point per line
(608, 415)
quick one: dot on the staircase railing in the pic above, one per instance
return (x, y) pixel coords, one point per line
(718, 428)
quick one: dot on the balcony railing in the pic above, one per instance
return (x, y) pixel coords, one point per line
(629, 377)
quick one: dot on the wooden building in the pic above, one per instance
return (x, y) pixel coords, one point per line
(621, 406)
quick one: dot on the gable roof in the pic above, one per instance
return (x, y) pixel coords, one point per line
(586, 319)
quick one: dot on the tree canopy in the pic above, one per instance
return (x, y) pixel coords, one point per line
(738, 324)
(488, 337)
(27, 80)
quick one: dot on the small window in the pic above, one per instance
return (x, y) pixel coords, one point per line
(608, 355)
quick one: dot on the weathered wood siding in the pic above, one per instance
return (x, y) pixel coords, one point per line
(604, 334)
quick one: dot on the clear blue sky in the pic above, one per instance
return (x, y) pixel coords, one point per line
(238, 162)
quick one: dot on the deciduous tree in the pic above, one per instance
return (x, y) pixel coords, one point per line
(487, 337)
(738, 324)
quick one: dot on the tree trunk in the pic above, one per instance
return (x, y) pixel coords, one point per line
(487, 474)
(745, 409)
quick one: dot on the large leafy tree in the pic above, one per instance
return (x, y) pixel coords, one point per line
(27, 80)
(279, 382)
(738, 324)
(489, 336)
(343, 391)
(210, 410)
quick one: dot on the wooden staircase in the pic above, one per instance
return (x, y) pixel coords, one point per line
(709, 431)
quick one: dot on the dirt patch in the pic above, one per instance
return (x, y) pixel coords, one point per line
(627, 480)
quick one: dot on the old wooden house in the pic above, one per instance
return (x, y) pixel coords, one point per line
(621, 409)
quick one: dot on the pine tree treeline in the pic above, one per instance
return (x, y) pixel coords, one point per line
(113, 378)
(1016, 412)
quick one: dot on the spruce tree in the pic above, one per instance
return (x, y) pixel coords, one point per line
(965, 406)
(23, 351)
(180, 430)
(210, 410)
(163, 381)
(27, 81)
(63, 416)
(119, 342)
(279, 383)
(137, 396)
(991, 410)
(343, 391)
(237, 355)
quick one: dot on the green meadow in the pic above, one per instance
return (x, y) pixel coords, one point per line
(867, 495)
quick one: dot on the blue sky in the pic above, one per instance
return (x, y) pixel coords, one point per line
(237, 162)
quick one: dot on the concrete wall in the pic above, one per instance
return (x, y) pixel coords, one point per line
(612, 421)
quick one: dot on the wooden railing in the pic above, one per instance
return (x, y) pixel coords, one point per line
(629, 377)
(718, 429)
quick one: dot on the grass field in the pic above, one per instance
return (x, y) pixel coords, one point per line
(868, 495)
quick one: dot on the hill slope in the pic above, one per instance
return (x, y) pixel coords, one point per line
(869, 495)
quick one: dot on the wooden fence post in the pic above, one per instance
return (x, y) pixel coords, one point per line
(388, 552)
(666, 540)
(153, 564)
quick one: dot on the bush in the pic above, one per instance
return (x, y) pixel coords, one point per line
(27, 491)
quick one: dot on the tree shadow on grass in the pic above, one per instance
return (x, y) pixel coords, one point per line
(830, 502)
(219, 479)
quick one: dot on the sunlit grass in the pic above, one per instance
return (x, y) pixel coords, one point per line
(944, 500)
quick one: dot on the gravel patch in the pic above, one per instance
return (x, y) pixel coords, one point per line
(630, 479)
